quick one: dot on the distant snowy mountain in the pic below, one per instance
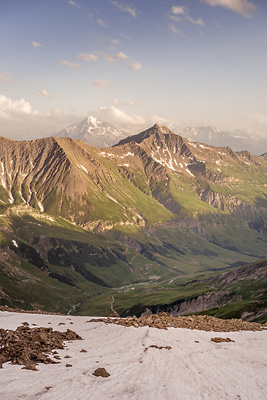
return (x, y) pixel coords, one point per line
(104, 134)
(93, 132)
(238, 139)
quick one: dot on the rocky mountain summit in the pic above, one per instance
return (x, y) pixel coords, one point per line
(93, 132)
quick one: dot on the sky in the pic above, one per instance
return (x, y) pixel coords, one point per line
(132, 63)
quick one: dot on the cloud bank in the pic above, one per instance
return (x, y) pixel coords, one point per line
(243, 7)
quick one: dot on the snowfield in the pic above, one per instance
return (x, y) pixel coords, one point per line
(193, 368)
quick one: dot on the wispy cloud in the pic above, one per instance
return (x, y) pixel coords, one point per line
(35, 45)
(88, 57)
(124, 7)
(69, 64)
(109, 58)
(198, 21)
(177, 31)
(121, 56)
(101, 84)
(243, 7)
(114, 41)
(129, 122)
(73, 3)
(102, 23)
(115, 102)
(5, 76)
(43, 93)
(113, 58)
(136, 65)
(182, 15)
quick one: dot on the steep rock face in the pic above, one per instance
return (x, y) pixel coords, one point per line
(50, 174)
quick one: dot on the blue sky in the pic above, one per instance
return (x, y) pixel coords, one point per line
(179, 63)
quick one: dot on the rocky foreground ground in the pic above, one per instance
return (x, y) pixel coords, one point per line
(130, 362)
(200, 322)
(29, 346)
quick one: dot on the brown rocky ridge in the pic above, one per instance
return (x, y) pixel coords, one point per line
(30, 346)
(199, 322)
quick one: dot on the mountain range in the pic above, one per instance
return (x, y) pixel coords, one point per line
(79, 223)
(104, 134)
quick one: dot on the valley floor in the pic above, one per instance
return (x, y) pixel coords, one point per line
(188, 366)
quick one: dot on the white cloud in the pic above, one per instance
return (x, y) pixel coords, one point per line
(10, 108)
(88, 57)
(133, 123)
(43, 93)
(181, 14)
(179, 10)
(198, 21)
(122, 56)
(5, 76)
(101, 84)
(243, 7)
(73, 3)
(68, 64)
(35, 45)
(102, 23)
(115, 102)
(113, 58)
(124, 7)
(136, 65)
(19, 121)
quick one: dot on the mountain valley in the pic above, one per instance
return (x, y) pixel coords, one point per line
(125, 227)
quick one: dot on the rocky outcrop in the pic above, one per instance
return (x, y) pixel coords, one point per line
(30, 346)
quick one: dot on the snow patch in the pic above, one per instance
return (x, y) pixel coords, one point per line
(194, 367)
(187, 170)
(40, 206)
(82, 167)
(128, 154)
(111, 198)
(15, 243)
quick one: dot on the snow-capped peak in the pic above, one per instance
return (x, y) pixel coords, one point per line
(92, 121)
(94, 132)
